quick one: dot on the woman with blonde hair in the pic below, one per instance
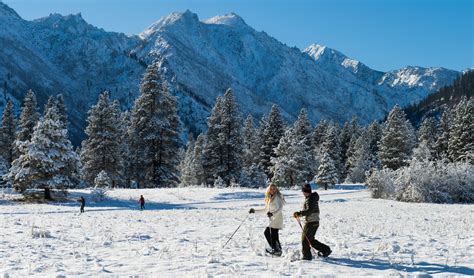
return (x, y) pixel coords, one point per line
(274, 202)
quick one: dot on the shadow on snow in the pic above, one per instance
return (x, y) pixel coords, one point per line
(429, 268)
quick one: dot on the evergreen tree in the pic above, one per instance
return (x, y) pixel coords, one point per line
(198, 163)
(62, 110)
(360, 160)
(101, 151)
(292, 164)
(270, 138)
(223, 149)
(8, 131)
(48, 160)
(302, 128)
(29, 117)
(442, 142)
(396, 143)
(251, 143)
(327, 173)
(375, 135)
(461, 137)
(428, 134)
(154, 133)
(187, 166)
(319, 133)
(349, 134)
(125, 151)
(331, 146)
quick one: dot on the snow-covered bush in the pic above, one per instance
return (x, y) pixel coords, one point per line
(102, 183)
(380, 182)
(425, 181)
(219, 182)
(253, 177)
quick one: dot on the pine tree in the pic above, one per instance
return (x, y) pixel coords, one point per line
(197, 166)
(251, 143)
(331, 146)
(442, 142)
(396, 143)
(187, 166)
(62, 110)
(327, 173)
(101, 151)
(48, 160)
(154, 133)
(7, 133)
(223, 149)
(461, 137)
(125, 151)
(292, 164)
(319, 133)
(302, 127)
(428, 134)
(29, 117)
(270, 138)
(350, 132)
(375, 135)
(360, 159)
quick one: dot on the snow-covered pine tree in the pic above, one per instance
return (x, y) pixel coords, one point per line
(125, 153)
(154, 133)
(7, 133)
(428, 133)
(375, 135)
(442, 142)
(292, 164)
(49, 161)
(332, 146)
(101, 150)
(461, 137)
(302, 129)
(187, 166)
(327, 173)
(102, 182)
(29, 117)
(350, 131)
(62, 110)
(197, 166)
(318, 133)
(223, 149)
(251, 143)
(273, 130)
(396, 143)
(360, 159)
(252, 174)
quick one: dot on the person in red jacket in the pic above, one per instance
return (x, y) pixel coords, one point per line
(142, 202)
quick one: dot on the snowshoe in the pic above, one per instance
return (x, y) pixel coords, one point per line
(273, 252)
(324, 254)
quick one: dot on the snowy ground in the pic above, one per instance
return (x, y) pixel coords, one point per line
(182, 231)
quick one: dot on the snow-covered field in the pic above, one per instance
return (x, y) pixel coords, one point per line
(182, 231)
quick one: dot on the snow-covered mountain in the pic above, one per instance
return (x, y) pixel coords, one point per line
(201, 59)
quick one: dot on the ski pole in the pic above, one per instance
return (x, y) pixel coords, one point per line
(309, 241)
(235, 231)
(270, 231)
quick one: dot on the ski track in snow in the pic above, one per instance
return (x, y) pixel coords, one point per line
(182, 232)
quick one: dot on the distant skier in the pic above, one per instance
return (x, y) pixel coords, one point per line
(274, 202)
(142, 202)
(83, 203)
(311, 213)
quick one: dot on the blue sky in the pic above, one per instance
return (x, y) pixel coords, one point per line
(385, 35)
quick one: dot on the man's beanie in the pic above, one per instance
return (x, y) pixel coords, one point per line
(306, 188)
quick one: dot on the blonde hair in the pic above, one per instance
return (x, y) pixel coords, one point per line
(269, 197)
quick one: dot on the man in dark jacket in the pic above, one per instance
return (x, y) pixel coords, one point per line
(83, 203)
(311, 213)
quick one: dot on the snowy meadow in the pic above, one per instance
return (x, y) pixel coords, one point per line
(182, 231)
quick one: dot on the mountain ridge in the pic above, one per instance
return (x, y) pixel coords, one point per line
(201, 59)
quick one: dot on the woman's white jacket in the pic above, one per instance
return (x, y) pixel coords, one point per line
(275, 206)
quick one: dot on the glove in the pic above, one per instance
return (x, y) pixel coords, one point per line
(297, 214)
(269, 214)
(251, 210)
